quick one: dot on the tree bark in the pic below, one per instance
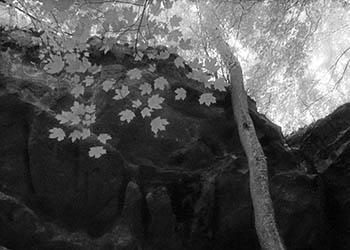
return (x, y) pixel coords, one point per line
(258, 173)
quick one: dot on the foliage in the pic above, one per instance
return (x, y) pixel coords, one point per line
(272, 39)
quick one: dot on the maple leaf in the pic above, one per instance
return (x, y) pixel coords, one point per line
(145, 88)
(66, 117)
(195, 64)
(207, 98)
(180, 94)
(155, 8)
(174, 35)
(85, 64)
(135, 74)
(151, 68)
(163, 55)
(185, 45)
(108, 43)
(108, 84)
(172, 50)
(136, 104)
(103, 138)
(210, 65)
(129, 15)
(63, 117)
(175, 21)
(75, 78)
(220, 84)
(90, 108)
(75, 135)
(146, 112)
(57, 133)
(168, 4)
(200, 76)
(155, 101)
(74, 64)
(121, 93)
(138, 56)
(89, 80)
(89, 119)
(95, 69)
(55, 65)
(86, 133)
(179, 62)
(127, 115)
(77, 108)
(78, 90)
(97, 152)
(160, 83)
(158, 124)
(151, 56)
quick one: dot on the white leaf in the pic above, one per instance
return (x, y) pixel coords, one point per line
(90, 108)
(108, 84)
(89, 119)
(154, 102)
(103, 138)
(75, 135)
(195, 64)
(121, 93)
(138, 56)
(146, 112)
(180, 94)
(78, 109)
(134, 74)
(78, 90)
(160, 83)
(158, 124)
(174, 35)
(179, 62)
(145, 88)
(198, 76)
(136, 104)
(175, 21)
(210, 65)
(152, 68)
(64, 117)
(55, 65)
(86, 133)
(163, 55)
(97, 152)
(185, 45)
(207, 98)
(57, 133)
(220, 84)
(127, 115)
(89, 80)
(95, 69)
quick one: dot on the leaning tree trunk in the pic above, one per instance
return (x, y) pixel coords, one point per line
(258, 175)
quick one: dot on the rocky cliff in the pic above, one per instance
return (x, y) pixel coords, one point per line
(184, 189)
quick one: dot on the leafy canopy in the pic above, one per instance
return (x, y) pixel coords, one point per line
(274, 40)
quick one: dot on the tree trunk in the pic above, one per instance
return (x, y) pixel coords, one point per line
(258, 175)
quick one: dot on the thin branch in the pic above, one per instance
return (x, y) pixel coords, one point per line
(342, 75)
(140, 23)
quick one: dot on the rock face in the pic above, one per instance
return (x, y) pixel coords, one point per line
(186, 189)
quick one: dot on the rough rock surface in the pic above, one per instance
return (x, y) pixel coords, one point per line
(186, 189)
